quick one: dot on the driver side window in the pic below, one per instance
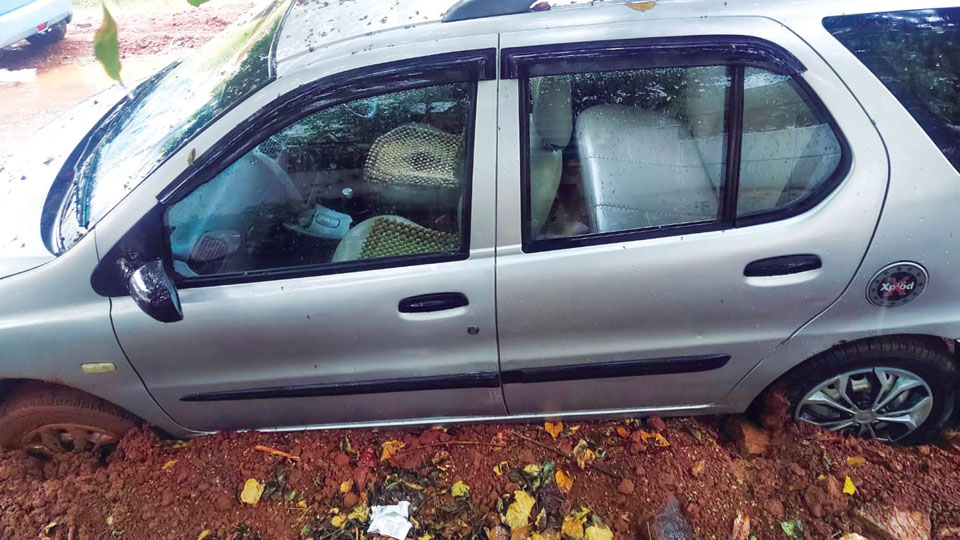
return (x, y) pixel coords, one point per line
(380, 177)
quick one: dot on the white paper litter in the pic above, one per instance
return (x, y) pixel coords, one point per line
(390, 520)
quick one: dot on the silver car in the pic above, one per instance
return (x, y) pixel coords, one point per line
(368, 215)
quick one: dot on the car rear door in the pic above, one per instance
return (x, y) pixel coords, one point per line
(705, 189)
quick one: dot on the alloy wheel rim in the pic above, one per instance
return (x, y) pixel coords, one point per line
(875, 403)
(52, 439)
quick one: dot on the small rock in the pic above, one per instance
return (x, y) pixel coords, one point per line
(813, 498)
(698, 468)
(341, 459)
(498, 533)
(948, 533)
(669, 524)
(775, 508)
(626, 486)
(835, 500)
(892, 523)
(750, 439)
(655, 423)
(350, 499)
(223, 503)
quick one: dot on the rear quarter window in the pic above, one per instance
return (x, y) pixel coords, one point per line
(916, 55)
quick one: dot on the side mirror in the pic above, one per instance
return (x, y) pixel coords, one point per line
(154, 292)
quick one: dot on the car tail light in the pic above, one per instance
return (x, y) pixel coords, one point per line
(42, 27)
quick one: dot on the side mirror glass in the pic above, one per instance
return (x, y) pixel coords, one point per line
(154, 292)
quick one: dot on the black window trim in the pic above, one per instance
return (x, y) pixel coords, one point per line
(734, 51)
(446, 68)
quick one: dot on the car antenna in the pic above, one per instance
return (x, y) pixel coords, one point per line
(477, 9)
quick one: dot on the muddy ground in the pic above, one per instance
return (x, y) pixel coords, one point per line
(63, 74)
(470, 482)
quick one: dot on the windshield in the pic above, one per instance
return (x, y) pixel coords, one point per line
(158, 120)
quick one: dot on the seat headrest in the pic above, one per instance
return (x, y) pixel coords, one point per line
(552, 110)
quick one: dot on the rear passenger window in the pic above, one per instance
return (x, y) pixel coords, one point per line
(916, 55)
(648, 150)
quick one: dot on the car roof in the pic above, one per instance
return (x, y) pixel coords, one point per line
(314, 29)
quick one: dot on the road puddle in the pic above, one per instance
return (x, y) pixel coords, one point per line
(31, 98)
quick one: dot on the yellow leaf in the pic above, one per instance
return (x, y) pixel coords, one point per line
(532, 468)
(252, 490)
(338, 520)
(564, 481)
(346, 486)
(641, 6)
(848, 486)
(623, 432)
(301, 504)
(49, 526)
(204, 534)
(389, 449)
(597, 532)
(584, 454)
(360, 512)
(168, 464)
(852, 536)
(459, 489)
(855, 461)
(426, 536)
(658, 439)
(573, 526)
(501, 468)
(518, 513)
(553, 428)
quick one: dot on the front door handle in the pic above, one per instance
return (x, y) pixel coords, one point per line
(426, 303)
(784, 265)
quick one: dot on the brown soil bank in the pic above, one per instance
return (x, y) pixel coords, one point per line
(488, 482)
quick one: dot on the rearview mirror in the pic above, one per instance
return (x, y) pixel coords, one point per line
(154, 292)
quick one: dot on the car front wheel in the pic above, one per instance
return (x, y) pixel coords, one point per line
(895, 389)
(49, 419)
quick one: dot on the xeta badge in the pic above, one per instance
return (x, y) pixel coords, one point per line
(897, 284)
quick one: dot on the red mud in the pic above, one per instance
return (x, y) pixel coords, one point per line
(150, 488)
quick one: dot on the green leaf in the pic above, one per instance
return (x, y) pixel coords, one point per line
(792, 528)
(197, 3)
(105, 46)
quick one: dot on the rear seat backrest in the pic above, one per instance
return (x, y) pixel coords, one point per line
(551, 122)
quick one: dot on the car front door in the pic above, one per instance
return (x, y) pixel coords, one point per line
(673, 205)
(335, 265)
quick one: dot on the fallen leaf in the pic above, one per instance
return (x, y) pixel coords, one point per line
(518, 513)
(564, 481)
(197, 3)
(642, 6)
(346, 486)
(658, 439)
(252, 490)
(261, 448)
(852, 536)
(573, 526)
(338, 520)
(848, 487)
(501, 468)
(389, 449)
(741, 527)
(425, 536)
(598, 532)
(698, 468)
(106, 48)
(192, 156)
(168, 464)
(553, 428)
(532, 468)
(792, 528)
(523, 533)
(360, 512)
(301, 504)
(459, 489)
(49, 527)
(204, 534)
(110, 520)
(584, 454)
(855, 461)
(623, 432)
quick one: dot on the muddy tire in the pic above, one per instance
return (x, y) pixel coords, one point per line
(901, 389)
(52, 34)
(46, 419)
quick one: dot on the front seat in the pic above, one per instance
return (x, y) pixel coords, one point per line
(551, 122)
(391, 236)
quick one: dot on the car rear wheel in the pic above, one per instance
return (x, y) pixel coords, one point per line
(894, 389)
(51, 34)
(47, 419)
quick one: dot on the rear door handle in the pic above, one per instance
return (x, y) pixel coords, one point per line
(426, 303)
(784, 265)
